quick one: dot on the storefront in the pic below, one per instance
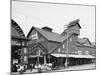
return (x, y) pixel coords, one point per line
(18, 46)
(73, 60)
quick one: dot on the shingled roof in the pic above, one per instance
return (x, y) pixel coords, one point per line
(72, 23)
(51, 36)
(84, 41)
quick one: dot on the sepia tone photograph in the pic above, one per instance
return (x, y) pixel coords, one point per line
(52, 37)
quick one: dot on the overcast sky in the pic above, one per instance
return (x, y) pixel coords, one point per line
(28, 14)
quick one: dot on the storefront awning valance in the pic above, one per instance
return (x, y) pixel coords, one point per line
(73, 55)
(59, 55)
(82, 56)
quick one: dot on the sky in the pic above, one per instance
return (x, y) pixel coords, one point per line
(28, 14)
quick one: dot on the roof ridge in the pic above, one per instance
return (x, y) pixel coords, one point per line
(47, 31)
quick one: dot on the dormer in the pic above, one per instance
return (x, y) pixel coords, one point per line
(47, 29)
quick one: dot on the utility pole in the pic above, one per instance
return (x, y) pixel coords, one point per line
(66, 63)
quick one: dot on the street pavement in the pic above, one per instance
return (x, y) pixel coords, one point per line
(72, 68)
(80, 67)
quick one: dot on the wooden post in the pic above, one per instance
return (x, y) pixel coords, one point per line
(38, 56)
(38, 60)
(45, 59)
(25, 55)
(24, 58)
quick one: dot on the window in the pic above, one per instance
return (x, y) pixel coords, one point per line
(73, 52)
(38, 52)
(70, 39)
(63, 46)
(76, 52)
(87, 44)
(34, 36)
(25, 50)
(63, 51)
(25, 58)
(15, 43)
(23, 43)
(79, 52)
(58, 49)
(86, 52)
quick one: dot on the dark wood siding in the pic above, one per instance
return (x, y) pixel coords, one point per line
(69, 46)
(91, 50)
(72, 43)
(32, 33)
(52, 44)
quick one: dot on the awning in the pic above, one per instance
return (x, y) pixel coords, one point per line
(59, 55)
(82, 56)
(73, 55)
(33, 56)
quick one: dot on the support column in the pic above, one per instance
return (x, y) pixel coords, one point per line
(38, 56)
(24, 58)
(66, 47)
(45, 62)
(66, 62)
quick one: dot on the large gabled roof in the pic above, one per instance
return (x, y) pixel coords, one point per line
(51, 36)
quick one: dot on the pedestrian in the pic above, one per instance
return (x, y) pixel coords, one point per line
(14, 67)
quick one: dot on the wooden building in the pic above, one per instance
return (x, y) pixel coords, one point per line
(77, 50)
(42, 46)
(52, 47)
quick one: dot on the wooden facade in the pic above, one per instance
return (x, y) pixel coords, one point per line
(44, 46)
(18, 45)
(65, 43)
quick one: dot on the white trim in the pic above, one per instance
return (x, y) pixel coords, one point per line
(74, 56)
(63, 46)
(59, 50)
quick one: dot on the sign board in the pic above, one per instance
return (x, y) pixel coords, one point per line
(15, 61)
(15, 43)
(34, 36)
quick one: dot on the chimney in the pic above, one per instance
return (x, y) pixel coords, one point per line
(47, 29)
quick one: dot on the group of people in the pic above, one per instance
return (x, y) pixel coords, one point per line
(31, 67)
(18, 67)
(40, 67)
